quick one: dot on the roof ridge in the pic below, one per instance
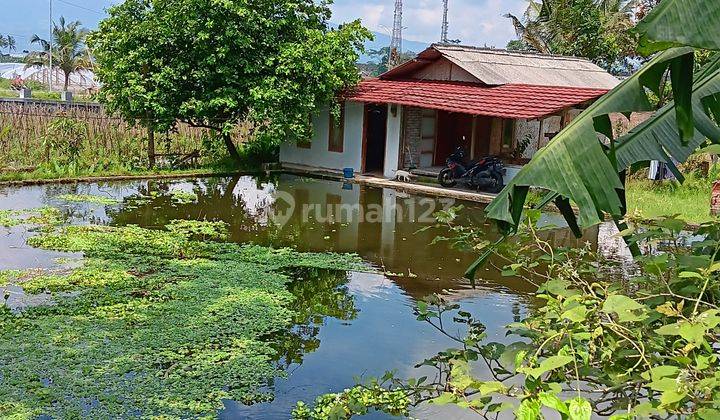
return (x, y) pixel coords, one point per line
(493, 50)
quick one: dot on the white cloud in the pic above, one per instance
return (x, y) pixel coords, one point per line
(475, 22)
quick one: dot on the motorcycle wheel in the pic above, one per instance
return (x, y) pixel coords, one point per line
(446, 178)
(498, 185)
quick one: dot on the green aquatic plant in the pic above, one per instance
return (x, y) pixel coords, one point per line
(183, 197)
(87, 198)
(157, 323)
(199, 229)
(8, 218)
(42, 217)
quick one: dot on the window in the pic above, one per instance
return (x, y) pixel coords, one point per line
(508, 134)
(337, 131)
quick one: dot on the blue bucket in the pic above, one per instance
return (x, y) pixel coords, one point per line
(349, 173)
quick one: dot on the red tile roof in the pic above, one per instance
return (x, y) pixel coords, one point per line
(506, 101)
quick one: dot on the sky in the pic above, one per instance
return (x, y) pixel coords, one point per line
(474, 22)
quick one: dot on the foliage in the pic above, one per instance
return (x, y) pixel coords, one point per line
(87, 198)
(381, 57)
(269, 62)
(644, 347)
(43, 218)
(64, 139)
(358, 400)
(579, 168)
(690, 200)
(154, 323)
(68, 52)
(8, 41)
(597, 30)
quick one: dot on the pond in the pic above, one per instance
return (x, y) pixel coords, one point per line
(345, 324)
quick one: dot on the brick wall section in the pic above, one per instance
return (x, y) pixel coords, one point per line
(412, 136)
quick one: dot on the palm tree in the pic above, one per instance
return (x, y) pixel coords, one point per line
(544, 26)
(10, 44)
(69, 52)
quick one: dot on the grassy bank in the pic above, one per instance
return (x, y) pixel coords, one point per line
(691, 200)
(153, 323)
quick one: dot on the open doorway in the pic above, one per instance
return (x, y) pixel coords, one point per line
(374, 141)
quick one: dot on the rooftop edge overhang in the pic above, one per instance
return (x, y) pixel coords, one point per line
(506, 101)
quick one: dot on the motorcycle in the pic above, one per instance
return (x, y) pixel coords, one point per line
(487, 174)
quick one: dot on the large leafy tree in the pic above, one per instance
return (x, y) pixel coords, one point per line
(596, 29)
(585, 165)
(68, 52)
(213, 63)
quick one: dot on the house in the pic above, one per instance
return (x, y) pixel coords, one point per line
(491, 102)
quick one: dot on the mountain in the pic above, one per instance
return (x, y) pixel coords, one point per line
(383, 40)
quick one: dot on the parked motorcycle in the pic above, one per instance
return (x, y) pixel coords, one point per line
(487, 174)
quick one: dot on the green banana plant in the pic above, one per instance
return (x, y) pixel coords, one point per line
(585, 165)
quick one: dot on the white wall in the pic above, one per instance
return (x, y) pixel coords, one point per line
(392, 142)
(318, 155)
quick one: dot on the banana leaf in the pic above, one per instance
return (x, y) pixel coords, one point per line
(577, 165)
(586, 171)
(674, 23)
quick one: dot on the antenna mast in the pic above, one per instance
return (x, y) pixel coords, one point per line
(444, 34)
(396, 42)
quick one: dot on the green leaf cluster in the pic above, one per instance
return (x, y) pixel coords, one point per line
(214, 63)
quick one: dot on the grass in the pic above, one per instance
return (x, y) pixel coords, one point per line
(159, 323)
(690, 200)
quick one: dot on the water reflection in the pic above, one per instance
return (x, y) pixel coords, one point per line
(346, 324)
(319, 294)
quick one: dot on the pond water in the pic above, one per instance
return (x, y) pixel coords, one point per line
(349, 325)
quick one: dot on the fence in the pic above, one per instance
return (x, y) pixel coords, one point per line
(25, 130)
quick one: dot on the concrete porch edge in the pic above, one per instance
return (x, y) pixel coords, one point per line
(420, 189)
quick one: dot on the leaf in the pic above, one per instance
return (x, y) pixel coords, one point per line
(627, 309)
(659, 372)
(680, 22)
(444, 399)
(672, 396)
(580, 409)
(528, 410)
(490, 387)
(576, 314)
(551, 363)
(552, 401)
(692, 333)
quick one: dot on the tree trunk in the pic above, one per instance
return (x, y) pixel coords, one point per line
(151, 147)
(231, 147)
(67, 82)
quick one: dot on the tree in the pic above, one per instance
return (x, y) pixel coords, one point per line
(578, 168)
(596, 29)
(383, 55)
(10, 44)
(69, 53)
(213, 63)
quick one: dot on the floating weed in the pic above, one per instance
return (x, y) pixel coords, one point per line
(199, 229)
(87, 198)
(8, 218)
(183, 197)
(159, 323)
(45, 218)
